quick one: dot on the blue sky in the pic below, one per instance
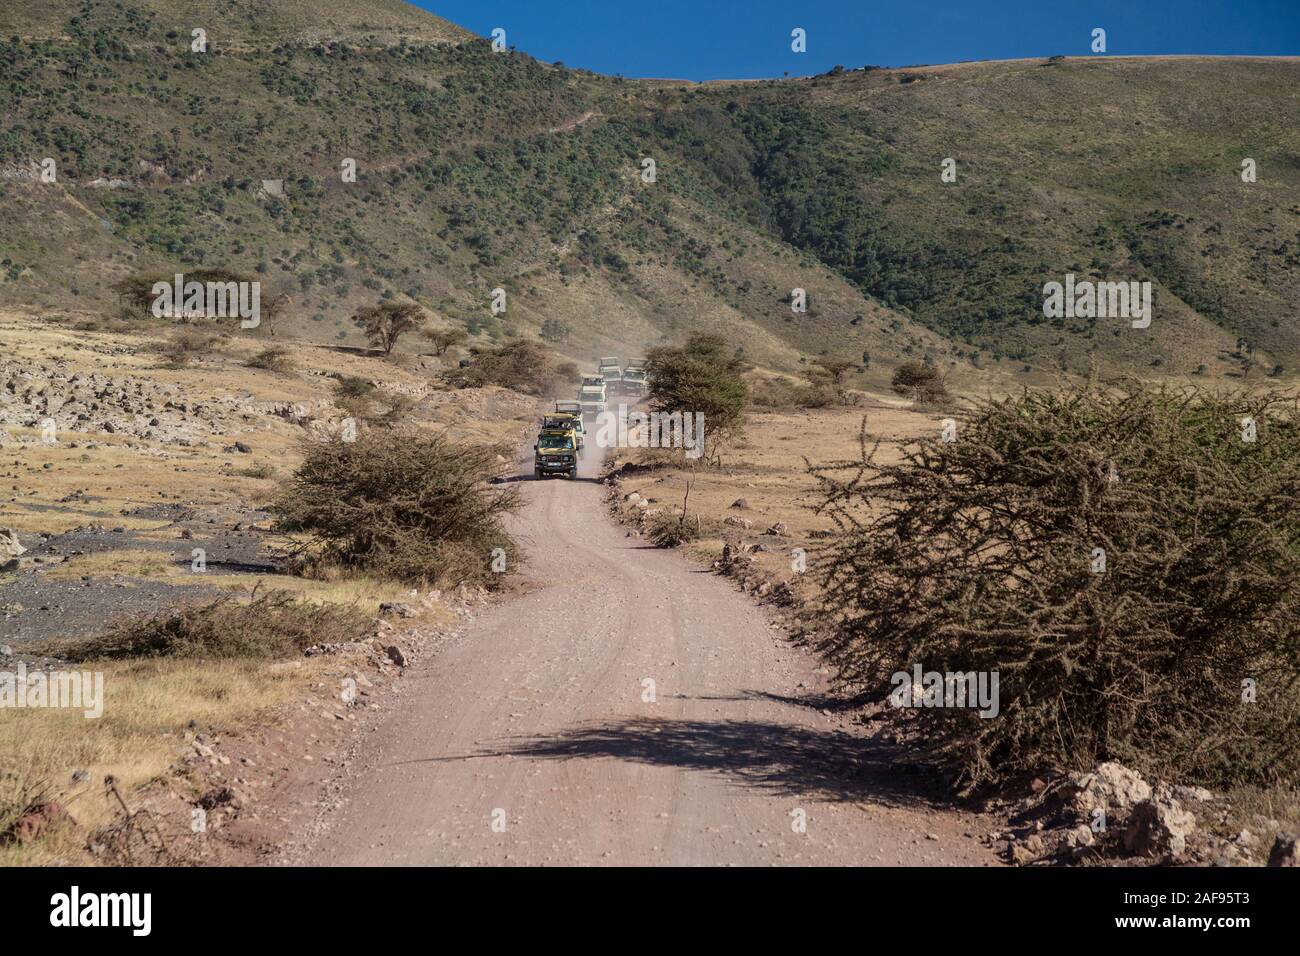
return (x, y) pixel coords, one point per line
(712, 39)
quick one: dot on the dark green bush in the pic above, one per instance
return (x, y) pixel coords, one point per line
(523, 366)
(701, 376)
(406, 505)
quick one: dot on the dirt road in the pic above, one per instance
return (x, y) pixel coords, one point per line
(535, 738)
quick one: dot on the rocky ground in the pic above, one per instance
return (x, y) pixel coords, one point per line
(37, 607)
(1113, 815)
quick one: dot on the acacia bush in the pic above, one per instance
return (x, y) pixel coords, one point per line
(701, 376)
(136, 293)
(187, 344)
(524, 366)
(780, 393)
(922, 383)
(402, 504)
(275, 359)
(367, 403)
(385, 323)
(979, 555)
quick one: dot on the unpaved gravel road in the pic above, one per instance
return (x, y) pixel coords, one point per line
(537, 717)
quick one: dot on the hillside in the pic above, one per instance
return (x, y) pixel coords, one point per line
(231, 23)
(478, 170)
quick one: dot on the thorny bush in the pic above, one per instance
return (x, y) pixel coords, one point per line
(978, 555)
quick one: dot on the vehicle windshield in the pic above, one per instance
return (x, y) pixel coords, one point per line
(555, 443)
(635, 376)
(559, 421)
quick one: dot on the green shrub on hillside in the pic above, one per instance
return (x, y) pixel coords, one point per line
(523, 366)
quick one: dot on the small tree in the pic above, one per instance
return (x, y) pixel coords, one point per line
(403, 504)
(913, 375)
(703, 376)
(553, 330)
(444, 339)
(835, 368)
(385, 322)
(921, 382)
(524, 365)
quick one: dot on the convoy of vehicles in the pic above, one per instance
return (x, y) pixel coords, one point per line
(561, 439)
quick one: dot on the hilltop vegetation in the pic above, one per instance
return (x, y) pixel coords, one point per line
(478, 170)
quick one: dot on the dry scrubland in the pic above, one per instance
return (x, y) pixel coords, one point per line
(95, 483)
(477, 171)
(223, 672)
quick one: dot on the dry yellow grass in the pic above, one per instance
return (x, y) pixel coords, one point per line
(21, 518)
(767, 470)
(147, 706)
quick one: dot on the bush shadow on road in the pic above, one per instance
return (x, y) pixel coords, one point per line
(777, 757)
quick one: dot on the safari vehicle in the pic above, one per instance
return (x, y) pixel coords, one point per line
(634, 378)
(556, 453)
(611, 373)
(568, 418)
(592, 395)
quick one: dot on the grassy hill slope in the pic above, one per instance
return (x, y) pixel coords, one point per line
(479, 170)
(230, 23)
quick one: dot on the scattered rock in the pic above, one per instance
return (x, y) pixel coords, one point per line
(779, 528)
(395, 655)
(1111, 787)
(1079, 838)
(28, 563)
(1018, 853)
(400, 610)
(1286, 850)
(39, 820)
(1158, 828)
(222, 796)
(10, 546)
